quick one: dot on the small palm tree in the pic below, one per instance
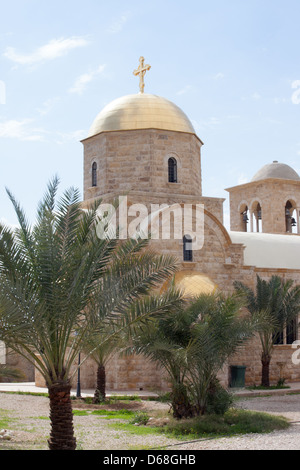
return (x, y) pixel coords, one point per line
(219, 327)
(275, 304)
(192, 343)
(49, 275)
(104, 346)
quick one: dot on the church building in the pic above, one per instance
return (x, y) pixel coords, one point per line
(145, 147)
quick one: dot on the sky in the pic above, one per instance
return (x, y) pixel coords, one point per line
(232, 66)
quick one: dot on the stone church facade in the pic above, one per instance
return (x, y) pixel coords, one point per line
(145, 147)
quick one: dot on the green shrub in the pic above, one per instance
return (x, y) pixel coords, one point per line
(219, 400)
(140, 418)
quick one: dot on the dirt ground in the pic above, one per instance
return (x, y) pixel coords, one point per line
(30, 427)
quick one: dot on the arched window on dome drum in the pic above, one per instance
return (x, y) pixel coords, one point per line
(94, 174)
(187, 248)
(172, 169)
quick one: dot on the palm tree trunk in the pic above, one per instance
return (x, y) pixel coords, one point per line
(61, 416)
(100, 392)
(181, 406)
(265, 371)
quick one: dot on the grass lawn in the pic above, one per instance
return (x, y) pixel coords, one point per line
(234, 422)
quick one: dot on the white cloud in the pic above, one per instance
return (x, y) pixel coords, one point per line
(47, 106)
(209, 123)
(184, 90)
(242, 179)
(21, 130)
(82, 81)
(296, 94)
(256, 96)
(73, 136)
(53, 49)
(117, 24)
(218, 76)
(278, 100)
(25, 130)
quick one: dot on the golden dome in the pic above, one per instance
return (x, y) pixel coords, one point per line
(141, 111)
(192, 283)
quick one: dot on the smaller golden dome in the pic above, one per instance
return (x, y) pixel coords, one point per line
(141, 111)
(193, 283)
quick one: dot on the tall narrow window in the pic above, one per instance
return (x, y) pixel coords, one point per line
(187, 248)
(172, 164)
(94, 174)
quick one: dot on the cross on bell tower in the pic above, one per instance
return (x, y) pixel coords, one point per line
(141, 71)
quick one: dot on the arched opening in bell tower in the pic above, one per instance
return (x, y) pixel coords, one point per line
(256, 218)
(291, 218)
(244, 211)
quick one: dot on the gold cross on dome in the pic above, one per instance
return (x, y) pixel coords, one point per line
(141, 71)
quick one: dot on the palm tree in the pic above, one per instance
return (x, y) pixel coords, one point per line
(218, 329)
(164, 341)
(130, 279)
(49, 275)
(276, 304)
(104, 347)
(192, 344)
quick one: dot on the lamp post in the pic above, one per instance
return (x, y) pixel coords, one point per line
(78, 392)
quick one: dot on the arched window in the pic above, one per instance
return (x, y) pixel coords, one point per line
(294, 222)
(94, 174)
(172, 168)
(288, 216)
(257, 218)
(187, 248)
(245, 219)
(291, 218)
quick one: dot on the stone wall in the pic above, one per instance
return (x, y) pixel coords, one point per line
(281, 365)
(18, 362)
(138, 161)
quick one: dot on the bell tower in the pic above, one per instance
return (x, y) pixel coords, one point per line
(270, 203)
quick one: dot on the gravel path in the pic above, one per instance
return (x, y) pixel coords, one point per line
(287, 405)
(31, 426)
